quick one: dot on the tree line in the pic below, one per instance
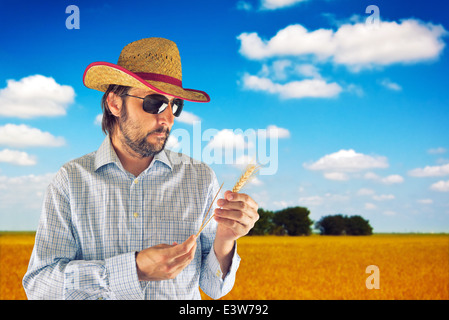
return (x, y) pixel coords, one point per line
(295, 221)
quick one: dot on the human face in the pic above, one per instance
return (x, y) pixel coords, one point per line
(144, 133)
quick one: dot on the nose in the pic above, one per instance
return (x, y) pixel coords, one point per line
(166, 117)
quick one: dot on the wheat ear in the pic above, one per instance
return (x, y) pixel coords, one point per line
(250, 171)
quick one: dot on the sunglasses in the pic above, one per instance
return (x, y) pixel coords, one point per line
(157, 103)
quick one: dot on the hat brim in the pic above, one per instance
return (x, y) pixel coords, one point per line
(99, 75)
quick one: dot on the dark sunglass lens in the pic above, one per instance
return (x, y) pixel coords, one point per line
(155, 103)
(177, 107)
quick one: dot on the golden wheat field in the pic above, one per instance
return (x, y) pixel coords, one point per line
(302, 268)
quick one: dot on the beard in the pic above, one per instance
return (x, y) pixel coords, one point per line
(139, 143)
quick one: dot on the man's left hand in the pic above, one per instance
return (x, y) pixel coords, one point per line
(236, 216)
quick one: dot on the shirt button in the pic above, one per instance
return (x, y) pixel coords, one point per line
(136, 181)
(136, 215)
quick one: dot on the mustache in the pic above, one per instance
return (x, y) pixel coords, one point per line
(160, 130)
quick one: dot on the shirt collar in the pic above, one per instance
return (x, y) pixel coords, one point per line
(162, 157)
(106, 154)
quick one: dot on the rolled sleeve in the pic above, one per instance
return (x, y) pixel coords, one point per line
(112, 279)
(123, 279)
(86, 280)
(214, 285)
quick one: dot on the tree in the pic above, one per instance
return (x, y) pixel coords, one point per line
(264, 225)
(357, 226)
(295, 220)
(331, 225)
(339, 224)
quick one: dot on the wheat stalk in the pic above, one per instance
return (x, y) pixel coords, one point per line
(202, 223)
(244, 178)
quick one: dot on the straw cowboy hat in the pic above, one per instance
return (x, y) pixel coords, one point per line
(148, 63)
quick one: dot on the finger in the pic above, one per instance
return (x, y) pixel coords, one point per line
(243, 197)
(183, 261)
(233, 205)
(234, 225)
(232, 208)
(235, 215)
(187, 257)
(163, 246)
(183, 248)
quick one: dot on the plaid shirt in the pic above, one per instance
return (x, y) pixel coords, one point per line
(96, 216)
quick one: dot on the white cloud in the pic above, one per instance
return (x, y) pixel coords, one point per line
(227, 139)
(326, 199)
(275, 131)
(15, 157)
(308, 70)
(336, 197)
(355, 45)
(278, 4)
(20, 136)
(35, 96)
(255, 181)
(98, 119)
(371, 176)
(244, 160)
(405, 42)
(294, 40)
(442, 186)
(370, 206)
(387, 83)
(356, 89)
(282, 69)
(311, 200)
(438, 150)
(346, 164)
(430, 171)
(425, 201)
(340, 176)
(383, 197)
(308, 88)
(281, 204)
(347, 161)
(172, 143)
(391, 179)
(279, 69)
(21, 200)
(365, 192)
(187, 117)
(243, 5)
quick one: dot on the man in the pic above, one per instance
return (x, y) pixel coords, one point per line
(121, 222)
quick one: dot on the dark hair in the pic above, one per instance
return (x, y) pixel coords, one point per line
(109, 120)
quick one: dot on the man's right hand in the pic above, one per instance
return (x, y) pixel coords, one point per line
(165, 261)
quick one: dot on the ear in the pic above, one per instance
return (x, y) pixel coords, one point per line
(114, 103)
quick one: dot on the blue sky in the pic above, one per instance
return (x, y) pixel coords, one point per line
(360, 110)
